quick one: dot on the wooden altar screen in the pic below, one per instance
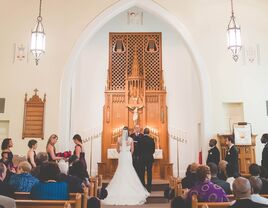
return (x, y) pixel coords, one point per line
(135, 94)
(246, 154)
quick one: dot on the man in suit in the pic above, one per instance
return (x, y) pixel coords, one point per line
(264, 159)
(232, 158)
(136, 136)
(213, 153)
(147, 149)
(214, 178)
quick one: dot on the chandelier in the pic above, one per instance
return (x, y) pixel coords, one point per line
(38, 38)
(234, 36)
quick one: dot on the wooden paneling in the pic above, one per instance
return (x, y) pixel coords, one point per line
(33, 121)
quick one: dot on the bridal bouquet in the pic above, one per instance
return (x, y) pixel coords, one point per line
(65, 154)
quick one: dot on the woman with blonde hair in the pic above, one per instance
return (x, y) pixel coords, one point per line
(51, 150)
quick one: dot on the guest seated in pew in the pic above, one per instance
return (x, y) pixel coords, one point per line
(205, 190)
(23, 181)
(190, 179)
(75, 184)
(49, 188)
(214, 178)
(93, 202)
(7, 202)
(41, 158)
(256, 186)
(242, 193)
(222, 170)
(255, 171)
(178, 202)
(5, 189)
(78, 170)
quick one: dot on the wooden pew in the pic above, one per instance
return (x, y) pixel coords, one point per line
(72, 197)
(24, 203)
(196, 204)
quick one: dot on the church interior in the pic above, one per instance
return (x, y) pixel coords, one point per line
(169, 66)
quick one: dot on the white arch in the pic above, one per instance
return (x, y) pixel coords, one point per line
(122, 5)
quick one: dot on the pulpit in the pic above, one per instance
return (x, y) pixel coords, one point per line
(135, 95)
(246, 154)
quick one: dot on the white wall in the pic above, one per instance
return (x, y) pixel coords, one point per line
(183, 95)
(64, 22)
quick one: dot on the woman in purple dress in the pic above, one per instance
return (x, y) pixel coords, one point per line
(205, 190)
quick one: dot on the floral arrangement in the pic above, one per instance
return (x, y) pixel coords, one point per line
(65, 154)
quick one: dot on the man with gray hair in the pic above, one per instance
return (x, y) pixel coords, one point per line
(256, 185)
(242, 193)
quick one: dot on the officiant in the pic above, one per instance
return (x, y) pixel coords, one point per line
(136, 136)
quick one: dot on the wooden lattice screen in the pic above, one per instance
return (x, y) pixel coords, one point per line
(149, 60)
(33, 122)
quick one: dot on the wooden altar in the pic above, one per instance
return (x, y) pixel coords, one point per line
(135, 94)
(246, 154)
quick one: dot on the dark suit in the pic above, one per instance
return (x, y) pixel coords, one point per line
(222, 183)
(246, 203)
(147, 148)
(136, 154)
(232, 159)
(264, 159)
(6, 189)
(213, 156)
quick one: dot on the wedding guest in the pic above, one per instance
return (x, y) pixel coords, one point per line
(41, 158)
(264, 159)
(6, 145)
(242, 192)
(31, 154)
(23, 181)
(75, 184)
(206, 190)
(255, 170)
(222, 174)
(78, 170)
(214, 178)
(5, 188)
(51, 149)
(213, 153)
(190, 179)
(256, 185)
(7, 202)
(78, 151)
(49, 188)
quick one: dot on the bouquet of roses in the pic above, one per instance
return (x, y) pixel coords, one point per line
(65, 154)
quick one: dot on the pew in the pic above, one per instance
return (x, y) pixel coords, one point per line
(25, 196)
(26, 203)
(196, 204)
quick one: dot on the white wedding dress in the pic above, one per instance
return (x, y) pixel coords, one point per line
(125, 188)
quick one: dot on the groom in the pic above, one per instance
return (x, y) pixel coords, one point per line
(147, 148)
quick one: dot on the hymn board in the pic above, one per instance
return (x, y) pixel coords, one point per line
(135, 94)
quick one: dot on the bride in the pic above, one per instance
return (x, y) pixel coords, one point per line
(125, 188)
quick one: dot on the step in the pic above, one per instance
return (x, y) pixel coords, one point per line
(156, 197)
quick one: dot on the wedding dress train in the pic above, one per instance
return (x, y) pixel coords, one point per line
(125, 188)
